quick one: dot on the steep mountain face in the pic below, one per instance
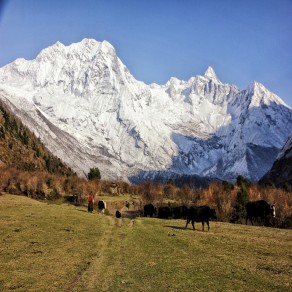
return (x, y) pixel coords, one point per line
(90, 111)
(281, 172)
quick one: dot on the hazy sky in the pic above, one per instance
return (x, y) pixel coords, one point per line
(156, 39)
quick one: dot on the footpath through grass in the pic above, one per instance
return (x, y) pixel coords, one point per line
(46, 247)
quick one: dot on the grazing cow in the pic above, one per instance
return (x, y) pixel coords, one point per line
(180, 212)
(149, 210)
(259, 209)
(164, 212)
(118, 214)
(101, 206)
(200, 214)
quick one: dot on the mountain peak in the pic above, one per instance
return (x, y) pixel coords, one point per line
(256, 85)
(261, 95)
(58, 44)
(105, 46)
(210, 74)
(88, 40)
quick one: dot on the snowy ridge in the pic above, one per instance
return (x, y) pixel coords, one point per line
(100, 115)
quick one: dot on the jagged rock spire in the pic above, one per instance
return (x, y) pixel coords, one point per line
(210, 73)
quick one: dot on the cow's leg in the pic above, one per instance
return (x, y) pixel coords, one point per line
(188, 221)
(208, 224)
(251, 220)
(246, 220)
(193, 223)
(203, 224)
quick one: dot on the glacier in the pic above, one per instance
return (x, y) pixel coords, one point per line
(88, 109)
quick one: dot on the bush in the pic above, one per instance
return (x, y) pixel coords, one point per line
(53, 195)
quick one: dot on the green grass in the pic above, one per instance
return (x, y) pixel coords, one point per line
(47, 247)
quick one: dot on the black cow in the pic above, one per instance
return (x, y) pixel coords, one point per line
(164, 212)
(200, 214)
(101, 206)
(259, 209)
(180, 212)
(118, 214)
(149, 210)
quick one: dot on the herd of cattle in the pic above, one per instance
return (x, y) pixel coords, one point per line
(254, 210)
(193, 214)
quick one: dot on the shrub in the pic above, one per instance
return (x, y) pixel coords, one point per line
(53, 195)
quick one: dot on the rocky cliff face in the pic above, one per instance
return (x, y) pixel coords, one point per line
(281, 172)
(90, 111)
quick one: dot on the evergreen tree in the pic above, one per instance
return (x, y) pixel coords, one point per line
(242, 198)
(94, 173)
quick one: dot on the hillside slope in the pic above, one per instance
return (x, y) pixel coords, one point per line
(21, 149)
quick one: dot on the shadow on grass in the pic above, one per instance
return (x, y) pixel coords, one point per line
(131, 214)
(183, 228)
(80, 210)
(175, 227)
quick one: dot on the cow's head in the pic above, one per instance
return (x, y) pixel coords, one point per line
(213, 214)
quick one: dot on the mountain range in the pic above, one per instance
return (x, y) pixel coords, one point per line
(88, 110)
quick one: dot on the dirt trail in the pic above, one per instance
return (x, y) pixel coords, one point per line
(96, 280)
(92, 278)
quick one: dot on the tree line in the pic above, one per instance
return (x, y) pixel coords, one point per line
(228, 199)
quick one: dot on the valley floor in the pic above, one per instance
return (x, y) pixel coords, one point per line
(48, 247)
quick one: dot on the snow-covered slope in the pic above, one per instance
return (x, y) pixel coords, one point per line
(90, 111)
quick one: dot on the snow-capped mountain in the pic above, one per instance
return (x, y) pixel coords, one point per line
(88, 109)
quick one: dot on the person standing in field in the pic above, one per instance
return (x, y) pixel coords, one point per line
(90, 203)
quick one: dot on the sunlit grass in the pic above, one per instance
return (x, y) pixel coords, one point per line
(64, 248)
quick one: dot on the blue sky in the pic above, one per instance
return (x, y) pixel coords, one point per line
(157, 39)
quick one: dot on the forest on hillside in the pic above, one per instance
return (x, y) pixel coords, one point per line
(20, 148)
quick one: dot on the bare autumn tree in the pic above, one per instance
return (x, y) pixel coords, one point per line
(151, 192)
(170, 191)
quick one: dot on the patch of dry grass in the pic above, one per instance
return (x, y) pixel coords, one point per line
(44, 246)
(63, 248)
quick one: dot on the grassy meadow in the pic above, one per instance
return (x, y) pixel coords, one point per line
(49, 247)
